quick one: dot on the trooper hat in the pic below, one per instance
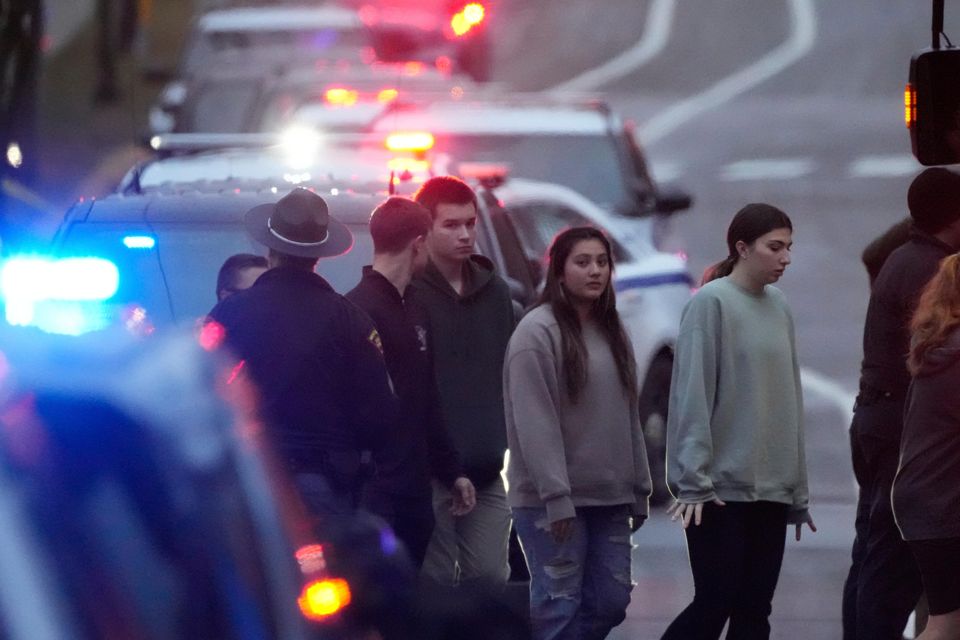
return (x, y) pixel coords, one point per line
(934, 199)
(299, 224)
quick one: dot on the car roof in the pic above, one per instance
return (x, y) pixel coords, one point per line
(273, 18)
(223, 206)
(361, 168)
(494, 116)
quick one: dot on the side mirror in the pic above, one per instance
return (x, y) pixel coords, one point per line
(932, 106)
(672, 200)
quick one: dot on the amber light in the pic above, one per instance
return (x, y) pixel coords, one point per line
(387, 95)
(910, 105)
(321, 599)
(409, 141)
(340, 96)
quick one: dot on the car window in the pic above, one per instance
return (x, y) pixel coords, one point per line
(515, 258)
(221, 107)
(539, 222)
(588, 164)
(185, 260)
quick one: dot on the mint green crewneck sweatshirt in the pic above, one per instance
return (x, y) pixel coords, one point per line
(735, 428)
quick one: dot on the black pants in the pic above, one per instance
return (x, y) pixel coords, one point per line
(735, 555)
(410, 517)
(883, 584)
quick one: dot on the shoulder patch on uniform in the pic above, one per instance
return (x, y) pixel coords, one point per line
(375, 340)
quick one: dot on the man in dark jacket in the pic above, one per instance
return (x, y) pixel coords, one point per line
(314, 356)
(883, 585)
(401, 491)
(471, 318)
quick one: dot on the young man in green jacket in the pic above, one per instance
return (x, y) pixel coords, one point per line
(471, 316)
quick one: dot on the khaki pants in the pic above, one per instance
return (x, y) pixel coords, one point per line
(471, 548)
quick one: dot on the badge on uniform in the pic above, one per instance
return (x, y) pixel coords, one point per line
(422, 337)
(374, 339)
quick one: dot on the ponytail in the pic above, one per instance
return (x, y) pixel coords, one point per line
(719, 269)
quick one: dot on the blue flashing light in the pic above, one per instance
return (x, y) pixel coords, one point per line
(139, 242)
(59, 296)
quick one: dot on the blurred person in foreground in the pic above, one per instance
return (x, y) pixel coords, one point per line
(471, 317)
(883, 584)
(578, 476)
(239, 272)
(314, 356)
(736, 459)
(421, 449)
(926, 490)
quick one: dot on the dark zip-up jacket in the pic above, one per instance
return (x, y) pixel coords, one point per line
(886, 339)
(469, 341)
(316, 360)
(422, 447)
(926, 492)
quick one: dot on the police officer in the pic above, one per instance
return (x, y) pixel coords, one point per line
(314, 356)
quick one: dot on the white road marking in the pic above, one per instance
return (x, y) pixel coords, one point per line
(829, 389)
(654, 38)
(801, 41)
(886, 166)
(766, 169)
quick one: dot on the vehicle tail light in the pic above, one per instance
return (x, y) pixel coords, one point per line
(340, 96)
(321, 599)
(410, 141)
(387, 95)
(910, 105)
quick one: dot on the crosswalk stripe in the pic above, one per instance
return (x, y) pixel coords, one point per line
(884, 166)
(766, 169)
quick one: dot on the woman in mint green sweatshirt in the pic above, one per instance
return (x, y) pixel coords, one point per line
(578, 476)
(735, 451)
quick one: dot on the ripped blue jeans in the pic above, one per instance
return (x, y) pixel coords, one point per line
(580, 589)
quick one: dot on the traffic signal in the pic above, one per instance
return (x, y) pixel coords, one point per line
(932, 106)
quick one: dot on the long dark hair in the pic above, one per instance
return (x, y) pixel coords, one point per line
(752, 221)
(604, 311)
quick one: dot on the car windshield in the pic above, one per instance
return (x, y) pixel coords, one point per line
(221, 107)
(185, 260)
(588, 164)
(317, 42)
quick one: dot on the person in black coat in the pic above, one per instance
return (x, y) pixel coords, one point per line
(313, 355)
(883, 584)
(926, 491)
(401, 490)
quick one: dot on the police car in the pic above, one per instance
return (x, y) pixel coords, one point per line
(583, 145)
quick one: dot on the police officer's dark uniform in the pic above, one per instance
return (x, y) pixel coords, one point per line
(883, 584)
(402, 492)
(314, 356)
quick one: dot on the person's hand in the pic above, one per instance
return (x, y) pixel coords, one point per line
(690, 510)
(561, 530)
(464, 497)
(807, 520)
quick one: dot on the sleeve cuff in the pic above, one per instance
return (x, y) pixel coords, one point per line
(560, 509)
(640, 507)
(797, 515)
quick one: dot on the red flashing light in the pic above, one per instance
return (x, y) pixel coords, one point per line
(410, 141)
(444, 64)
(212, 335)
(466, 19)
(310, 558)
